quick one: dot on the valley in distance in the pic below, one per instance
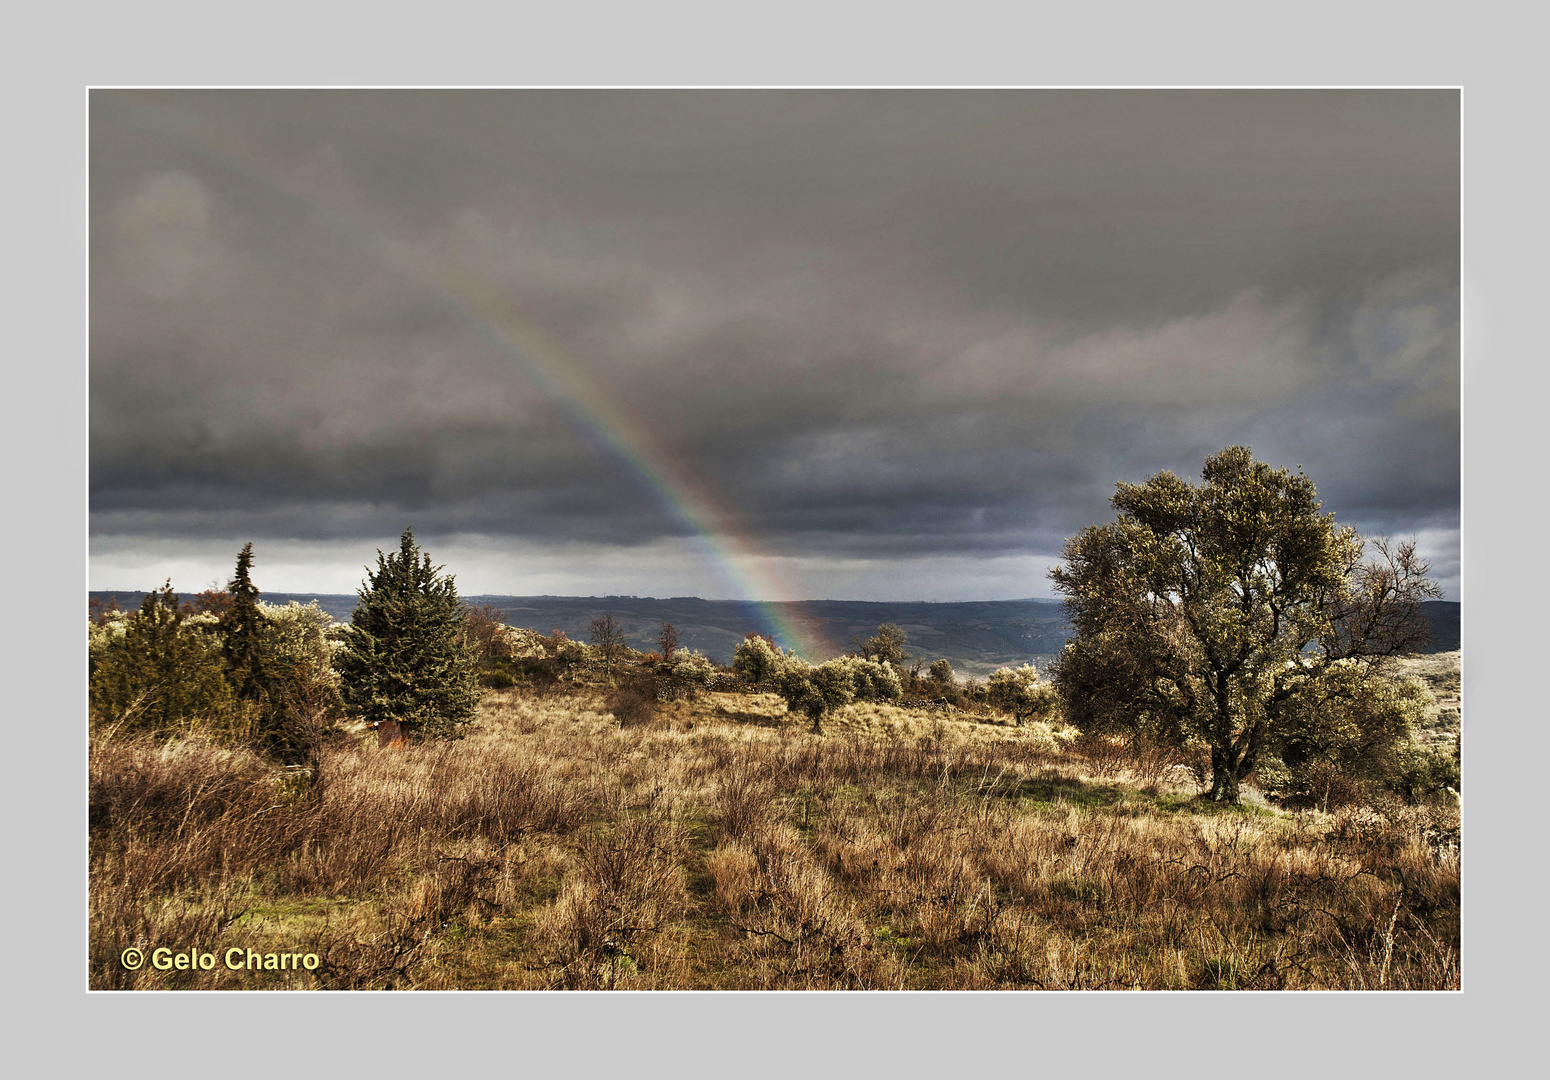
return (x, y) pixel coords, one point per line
(976, 637)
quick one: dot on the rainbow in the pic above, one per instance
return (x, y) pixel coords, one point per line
(561, 374)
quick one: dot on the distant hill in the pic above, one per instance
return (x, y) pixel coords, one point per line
(1444, 618)
(974, 636)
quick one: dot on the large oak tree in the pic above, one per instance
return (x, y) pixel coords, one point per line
(1220, 611)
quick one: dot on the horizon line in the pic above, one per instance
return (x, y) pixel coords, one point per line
(633, 596)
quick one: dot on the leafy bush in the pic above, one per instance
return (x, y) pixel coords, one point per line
(873, 680)
(690, 666)
(1019, 692)
(1344, 734)
(887, 645)
(161, 672)
(1425, 772)
(806, 691)
(685, 674)
(757, 660)
(103, 634)
(941, 673)
(296, 648)
(833, 684)
(497, 678)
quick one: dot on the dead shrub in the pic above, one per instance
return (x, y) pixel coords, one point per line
(634, 702)
(1152, 761)
(1105, 755)
(384, 960)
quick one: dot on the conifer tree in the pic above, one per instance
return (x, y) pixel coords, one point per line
(254, 674)
(162, 676)
(242, 628)
(402, 659)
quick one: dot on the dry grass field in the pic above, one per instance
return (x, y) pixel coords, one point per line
(717, 844)
(1442, 674)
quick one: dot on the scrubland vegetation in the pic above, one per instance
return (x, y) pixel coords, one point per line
(711, 840)
(1242, 776)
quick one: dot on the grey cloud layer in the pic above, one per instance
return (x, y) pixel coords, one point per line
(881, 324)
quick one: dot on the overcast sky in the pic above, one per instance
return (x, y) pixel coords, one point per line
(804, 344)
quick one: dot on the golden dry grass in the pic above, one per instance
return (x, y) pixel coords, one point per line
(1442, 674)
(720, 845)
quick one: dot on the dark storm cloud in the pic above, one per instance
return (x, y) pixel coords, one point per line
(882, 325)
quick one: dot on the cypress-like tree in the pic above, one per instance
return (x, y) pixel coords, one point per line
(402, 660)
(242, 630)
(250, 669)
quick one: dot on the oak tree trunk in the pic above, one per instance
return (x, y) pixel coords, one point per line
(1227, 772)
